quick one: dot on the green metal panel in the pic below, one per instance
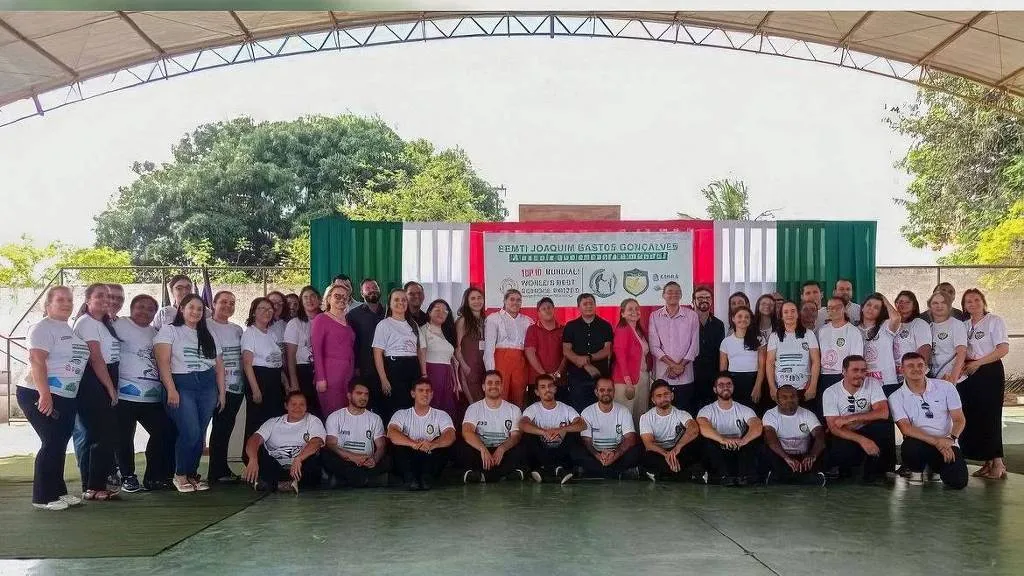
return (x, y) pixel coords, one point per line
(825, 251)
(359, 249)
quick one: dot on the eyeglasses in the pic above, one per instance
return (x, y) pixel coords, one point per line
(852, 407)
(703, 298)
(927, 409)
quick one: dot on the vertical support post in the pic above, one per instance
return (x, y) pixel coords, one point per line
(938, 275)
(263, 271)
(61, 283)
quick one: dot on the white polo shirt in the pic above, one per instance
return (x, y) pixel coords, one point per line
(667, 429)
(928, 411)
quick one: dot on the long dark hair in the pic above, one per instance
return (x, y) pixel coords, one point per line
(286, 312)
(752, 338)
(773, 322)
(883, 315)
(206, 342)
(474, 325)
(408, 317)
(746, 299)
(780, 330)
(301, 315)
(448, 326)
(251, 319)
(84, 309)
(915, 305)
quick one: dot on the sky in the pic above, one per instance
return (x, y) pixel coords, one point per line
(563, 120)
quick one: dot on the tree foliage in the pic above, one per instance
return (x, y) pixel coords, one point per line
(728, 200)
(242, 190)
(24, 264)
(96, 257)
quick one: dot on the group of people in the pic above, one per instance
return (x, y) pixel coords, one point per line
(785, 392)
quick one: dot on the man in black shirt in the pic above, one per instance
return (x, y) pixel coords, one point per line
(414, 292)
(363, 319)
(587, 345)
(712, 332)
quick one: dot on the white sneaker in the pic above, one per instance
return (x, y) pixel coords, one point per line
(536, 477)
(652, 476)
(71, 500)
(55, 505)
(916, 478)
(933, 477)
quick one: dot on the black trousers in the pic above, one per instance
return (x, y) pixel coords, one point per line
(781, 472)
(402, 373)
(307, 386)
(814, 404)
(846, 455)
(742, 388)
(736, 463)
(917, 456)
(272, 406)
(580, 391)
(592, 466)
(100, 420)
(689, 459)
(982, 398)
(159, 448)
(543, 457)
(416, 466)
(54, 433)
(220, 436)
(347, 473)
(704, 383)
(272, 472)
(468, 458)
(685, 397)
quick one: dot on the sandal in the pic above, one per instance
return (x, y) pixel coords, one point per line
(183, 484)
(999, 476)
(98, 495)
(198, 483)
(983, 471)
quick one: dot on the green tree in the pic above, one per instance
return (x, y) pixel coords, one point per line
(966, 161)
(23, 264)
(728, 200)
(96, 257)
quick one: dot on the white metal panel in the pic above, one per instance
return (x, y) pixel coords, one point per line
(436, 254)
(745, 261)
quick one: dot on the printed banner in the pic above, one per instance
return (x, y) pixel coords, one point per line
(612, 266)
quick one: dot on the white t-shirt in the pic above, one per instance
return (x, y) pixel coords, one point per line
(836, 399)
(493, 425)
(795, 431)
(438, 349)
(395, 338)
(668, 429)
(607, 429)
(792, 358)
(740, 359)
(265, 347)
(355, 432)
(880, 354)
(836, 344)
(938, 399)
(985, 336)
(229, 338)
(427, 427)
(67, 356)
(284, 440)
(560, 415)
(910, 337)
(186, 355)
(137, 377)
(92, 330)
(277, 327)
(296, 332)
(946, 336)
(731, 423)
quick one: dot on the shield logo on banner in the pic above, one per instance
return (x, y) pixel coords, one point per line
(635, 281)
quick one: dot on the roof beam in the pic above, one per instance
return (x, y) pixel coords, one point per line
(760, 25)
(241, 26)
(39, 49)
(846, 37)
(334, 19)
(156, 47)
(952, 37)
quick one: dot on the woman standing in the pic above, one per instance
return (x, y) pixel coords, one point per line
(261, 362)
(764, 316)
(949, 342)
(97, 398)
(140, 401)
(299, 350)
(48, 394)
(837, 339)
(469, 333)
(915, 335)
(179, 286)
(879, 324)
(505, 347)
(982, 392)
(630, 371)
(436, 351)
(333, 343)
(742, 354)
(396, 354)
(282, 314)
(191, 368)
(793, 358)
(229, 338)
(738, 300)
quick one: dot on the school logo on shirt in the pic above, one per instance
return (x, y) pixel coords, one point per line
(979, 335)
(805, 346)
(618, 429)
(805, 428)
(904, 333)
(508, 425)
(603, 283)
(862, 403)
(943, 335)
(430, 428)
(840, 342)
(635, 281)
(305, 437)
(742, 426)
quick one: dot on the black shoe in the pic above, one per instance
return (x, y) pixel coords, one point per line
(630, 474)
(741, 481)
(130, 484)
(516, 475)
(413, 486)
(563, 476)
(472, 477)
(728, 481)
(424, 484)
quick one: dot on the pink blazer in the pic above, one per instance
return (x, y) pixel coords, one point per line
(628, 353)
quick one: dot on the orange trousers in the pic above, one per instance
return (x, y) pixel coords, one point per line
(515, 374)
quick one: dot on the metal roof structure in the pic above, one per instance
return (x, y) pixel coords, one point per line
(50, 59)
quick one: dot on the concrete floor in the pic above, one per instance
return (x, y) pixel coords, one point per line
(600, 528)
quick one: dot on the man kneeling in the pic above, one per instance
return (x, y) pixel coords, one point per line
(670, 437)
(857, 415)
(731, 430)
(355, 441)
(283, 452)
(420, 437)
(551, 427)
(610, 448)
(794, 441)
(489, 449)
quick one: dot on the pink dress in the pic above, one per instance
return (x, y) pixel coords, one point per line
(333, 360)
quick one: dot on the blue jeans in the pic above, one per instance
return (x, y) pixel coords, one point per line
(198, 399)
(81, 441)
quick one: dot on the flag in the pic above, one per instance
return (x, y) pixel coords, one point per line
(207, 289)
